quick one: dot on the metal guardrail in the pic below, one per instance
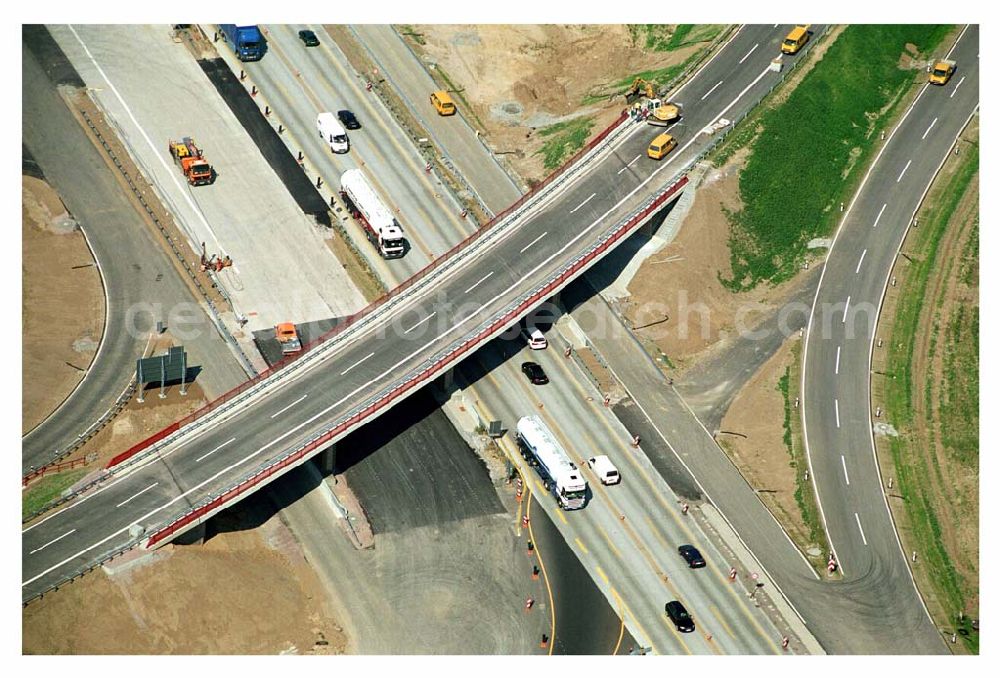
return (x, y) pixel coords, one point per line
(423, 373)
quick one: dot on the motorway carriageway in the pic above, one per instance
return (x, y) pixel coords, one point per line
(307, 400)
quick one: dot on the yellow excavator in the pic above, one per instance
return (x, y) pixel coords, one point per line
(640, 88)
(662, 113)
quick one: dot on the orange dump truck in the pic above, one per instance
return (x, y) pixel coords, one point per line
(189, 158)
(288, 338)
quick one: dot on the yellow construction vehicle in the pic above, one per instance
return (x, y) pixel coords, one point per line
(942, 72)
(189, 158)
(288, 338)
(640, 88)
(661, 113)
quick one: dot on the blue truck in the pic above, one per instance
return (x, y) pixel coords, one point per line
(247, 41)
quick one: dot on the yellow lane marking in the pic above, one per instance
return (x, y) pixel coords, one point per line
(610, 543)
(601, 572)
(621, 616)
(673, 629)
(541, 563)
(581, 545)
(718, 615)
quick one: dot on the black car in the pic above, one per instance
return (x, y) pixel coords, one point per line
(679, 616)
(308, 38)
(535, 373)
(349, 120)
(691, 555)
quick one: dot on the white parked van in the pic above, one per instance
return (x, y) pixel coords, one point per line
(536, 340)
(332, 132)
(604, 470)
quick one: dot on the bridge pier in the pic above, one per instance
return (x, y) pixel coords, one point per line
(448, 379)
(327, 460)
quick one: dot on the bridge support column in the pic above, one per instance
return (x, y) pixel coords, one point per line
(448, 379)
(327, 460)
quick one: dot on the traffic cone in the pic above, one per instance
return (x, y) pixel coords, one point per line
(545, 642)
(534, 572)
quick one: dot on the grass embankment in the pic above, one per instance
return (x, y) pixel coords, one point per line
(788, 385)
(932, 398)
(808, 151)
(46, 489)
(563, 140)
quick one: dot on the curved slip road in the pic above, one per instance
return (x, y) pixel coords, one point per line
(837, 413)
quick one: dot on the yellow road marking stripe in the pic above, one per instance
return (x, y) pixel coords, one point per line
(582, 546)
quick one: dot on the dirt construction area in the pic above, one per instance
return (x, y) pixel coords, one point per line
(523, 78)
(62, 302)
(681, 281)
(185, 600)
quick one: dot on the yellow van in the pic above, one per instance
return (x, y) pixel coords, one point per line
(794, 41)
(660, 146)
(443, 103)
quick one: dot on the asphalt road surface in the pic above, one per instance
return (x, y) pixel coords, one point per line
(610, 185)
(155, 91)
(136, 273)
(837, 410)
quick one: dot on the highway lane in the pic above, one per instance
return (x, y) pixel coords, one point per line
(135, 271)
(634, 560)
(302, 406)
(298, 83)
(452, 135)
(154, 91)
(836, 375)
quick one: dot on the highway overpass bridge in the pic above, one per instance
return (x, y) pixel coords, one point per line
(197, 467)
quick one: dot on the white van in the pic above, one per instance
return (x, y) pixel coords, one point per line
(605, 470)
(332, 132)
(536, 340)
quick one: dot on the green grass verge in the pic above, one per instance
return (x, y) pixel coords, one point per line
(46, 489)
(808, 152)
(668, 37)
(804, 496)
(564, 139)
(960, 406)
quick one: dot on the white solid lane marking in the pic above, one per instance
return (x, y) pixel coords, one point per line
(289, 406)
(749, 53)
(169, 170)
(844, 463)
(857, 518)
(50, 543)
(583, 203)
(582, 232)
(879, 214)
(630, 163)
(836, 366)
(480, 281)
(858, 268)
(836, 411)
(927, 131)
(900, 177)
(357, 363)
(711, 90)
(847, 304)
(956, 87)
(525, 248)
(136, 495)
(208, 454)
(419, 323)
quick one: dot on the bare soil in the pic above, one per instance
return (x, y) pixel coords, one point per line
(752, 435)
(189, 600)
(62, 303)
(682, 280)
(520, 78)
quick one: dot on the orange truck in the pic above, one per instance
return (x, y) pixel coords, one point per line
(288, 338)
(189, 158)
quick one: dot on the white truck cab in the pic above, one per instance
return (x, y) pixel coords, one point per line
(332, 132)
(604, 470)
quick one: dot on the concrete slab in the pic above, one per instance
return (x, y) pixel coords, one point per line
(154, 90)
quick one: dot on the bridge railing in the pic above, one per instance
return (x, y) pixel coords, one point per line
(426, 371)
(351, 320)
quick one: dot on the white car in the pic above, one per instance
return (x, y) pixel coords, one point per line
(605, 470)
(536, 340)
